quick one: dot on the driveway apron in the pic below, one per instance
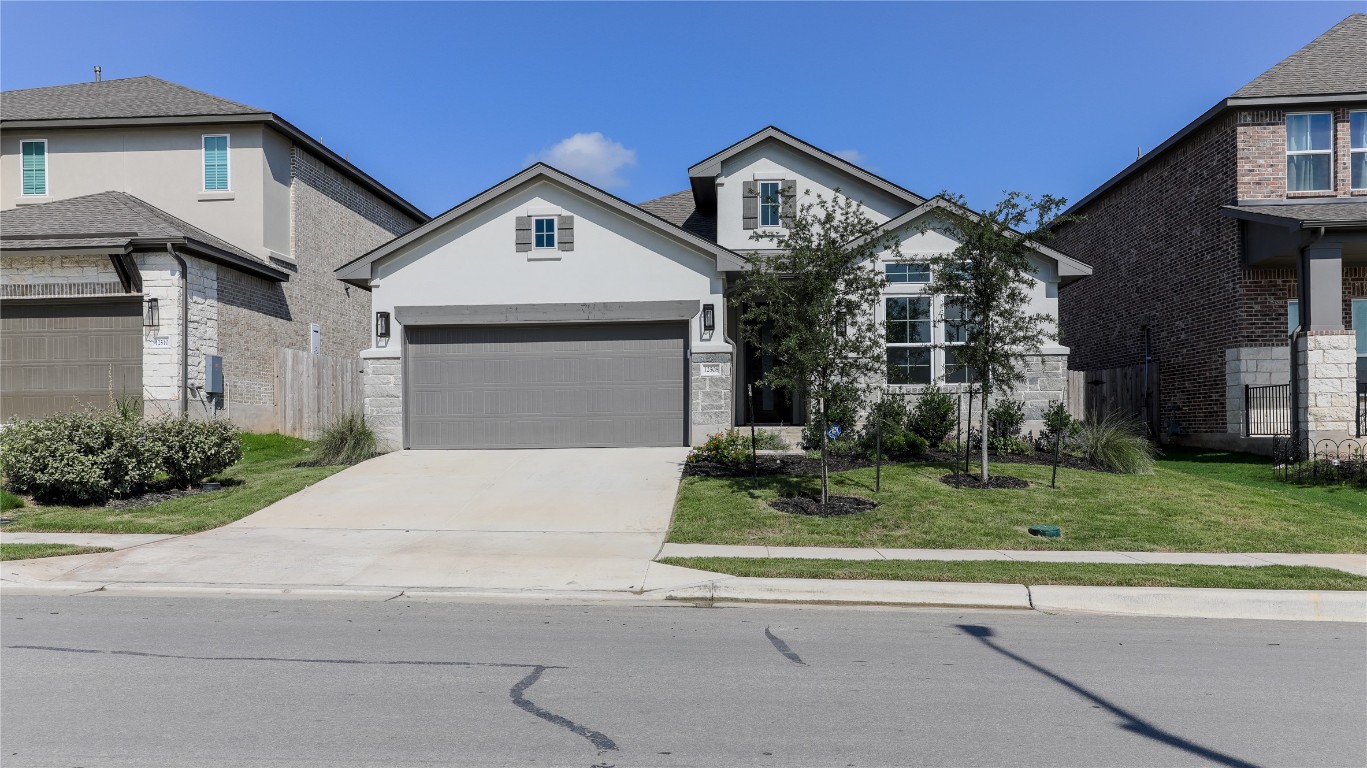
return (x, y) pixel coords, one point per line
(564, 519)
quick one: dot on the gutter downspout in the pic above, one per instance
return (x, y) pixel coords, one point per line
(184, 331)
(1302, 292)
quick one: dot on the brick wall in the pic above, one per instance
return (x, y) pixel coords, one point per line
(1262, 155)
(1163, 256)
(332, 221)
(1263, 297)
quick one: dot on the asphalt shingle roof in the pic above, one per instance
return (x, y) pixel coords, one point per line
(1310, 213)
(101, 219)
(1335, 62)
(678, 209)
(126, 98)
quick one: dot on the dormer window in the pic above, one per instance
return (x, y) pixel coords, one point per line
(1310, 152)
(544, 232)
(770, 203)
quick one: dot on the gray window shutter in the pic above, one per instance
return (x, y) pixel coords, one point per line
(788, 206)
(564, 232)
(749, 214)
(524, 233)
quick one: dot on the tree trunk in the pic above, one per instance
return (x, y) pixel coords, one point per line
(984, 427)
(825, 473)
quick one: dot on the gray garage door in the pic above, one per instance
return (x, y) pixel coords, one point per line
(545, 386)
(57, 357)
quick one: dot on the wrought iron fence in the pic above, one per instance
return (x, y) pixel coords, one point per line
(1361, 417)
(1296, 458)
(1267, 410)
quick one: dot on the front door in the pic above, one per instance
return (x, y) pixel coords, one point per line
(768, 405)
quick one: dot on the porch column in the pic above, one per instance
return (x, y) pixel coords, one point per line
(1326, 354)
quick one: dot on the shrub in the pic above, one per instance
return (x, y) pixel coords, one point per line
(1058, 423)
(842, 410)
(769, 441)
(897, 437)
(193, 450)
(729, 447)
(1116, 443)
(935, 416)
(9, 501)
(84, 457)
(348, 440)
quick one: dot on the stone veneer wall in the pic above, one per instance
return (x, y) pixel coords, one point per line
(1326, 383)
(1046, 380)
(382, 392)
(710, 398)
(1253, 367)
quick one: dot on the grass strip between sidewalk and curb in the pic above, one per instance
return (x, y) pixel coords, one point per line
(32, 551)
(268, 472)
(1033, 574)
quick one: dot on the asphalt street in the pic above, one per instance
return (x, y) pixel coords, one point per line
(122, 681)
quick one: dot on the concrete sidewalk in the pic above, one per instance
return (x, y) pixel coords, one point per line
(1355, 564)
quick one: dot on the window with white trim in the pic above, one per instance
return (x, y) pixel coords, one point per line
(216, 163)
(34, 152)
(543, 229)
(958, 326)
(906, 272)
(908, 328)
(1310, 152)
(770, 203)
(1357, 152)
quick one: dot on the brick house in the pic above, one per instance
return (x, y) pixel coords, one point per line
(154, 235)
(1234, 254)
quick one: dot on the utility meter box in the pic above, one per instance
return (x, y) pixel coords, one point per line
(213, 374)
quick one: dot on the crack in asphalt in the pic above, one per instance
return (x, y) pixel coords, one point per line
(783, 648)
(600, 741)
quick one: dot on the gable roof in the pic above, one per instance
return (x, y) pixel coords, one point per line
(117, 222)
(357, 271)
(1333, 63)
(679, 209)
(1332, 68)
(1069, 268)
(152, 101)
(702, 173)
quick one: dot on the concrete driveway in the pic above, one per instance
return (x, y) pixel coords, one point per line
(566, 519)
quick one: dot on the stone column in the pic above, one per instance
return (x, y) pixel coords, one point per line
(1326, 382)
(710, 395)
(382, 391)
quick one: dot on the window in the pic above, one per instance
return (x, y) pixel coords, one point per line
(1357, 156)
(1309, 152)
(907, 273)
(957, 327)
(216, 163)
(35, 166)
(769, 203)
(908, 339)
(1293, 316)
(1360, 328)
(544, 229)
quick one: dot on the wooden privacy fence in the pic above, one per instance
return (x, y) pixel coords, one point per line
(1098, 393)
(312, 391)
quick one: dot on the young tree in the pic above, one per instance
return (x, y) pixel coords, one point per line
(815, 294)
(987, 282)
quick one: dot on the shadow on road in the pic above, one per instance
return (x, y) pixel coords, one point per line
(1131, 722)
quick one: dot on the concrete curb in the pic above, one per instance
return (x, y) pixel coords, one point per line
(920, 593)
(1268, 604)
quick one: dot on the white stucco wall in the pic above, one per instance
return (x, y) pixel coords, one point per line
(771, 160)
(474, 261)
(164, 166)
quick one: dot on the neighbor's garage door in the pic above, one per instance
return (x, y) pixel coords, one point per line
(545, 386)
(56, 357)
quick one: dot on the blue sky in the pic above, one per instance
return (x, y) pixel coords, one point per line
(441, 100)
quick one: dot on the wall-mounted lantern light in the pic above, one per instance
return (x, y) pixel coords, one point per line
(709, 318)
(381, 325)
(151, 317)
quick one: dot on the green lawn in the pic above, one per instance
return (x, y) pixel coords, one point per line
(9, 501)
(1031, 574)
(267, 473)
(30, 551)
(1194, 502)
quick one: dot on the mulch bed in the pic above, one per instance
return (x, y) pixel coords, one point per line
(771, 466)
(993, 481)
(1037, 458)
(154, 497)
(836, 506)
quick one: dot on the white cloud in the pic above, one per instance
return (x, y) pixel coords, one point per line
(851, 155)
(590, 156)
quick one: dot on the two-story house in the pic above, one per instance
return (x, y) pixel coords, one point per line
(148, 231)
(1234, 255)
(547, 312)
